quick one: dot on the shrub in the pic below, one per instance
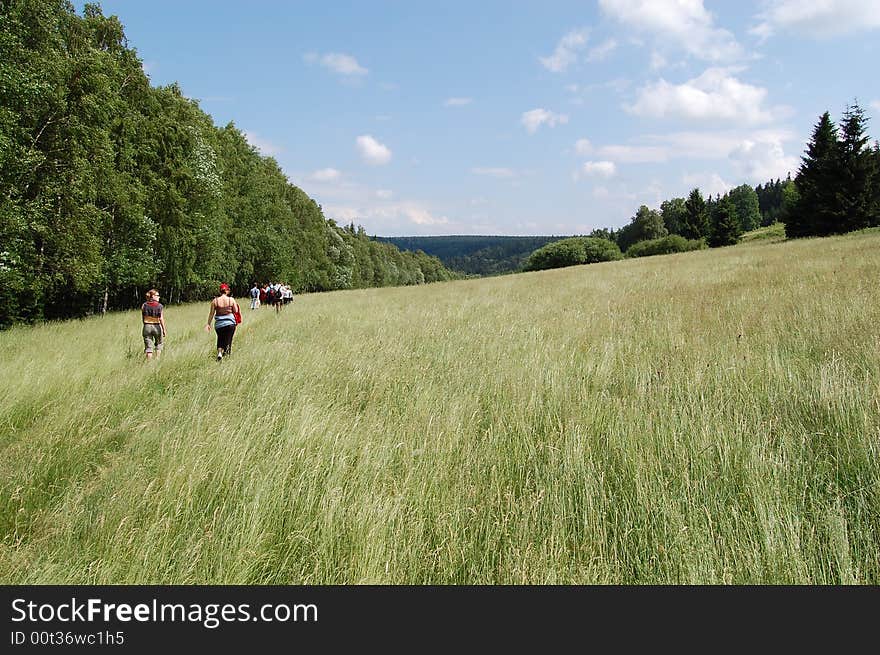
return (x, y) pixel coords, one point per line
(572, 252)
(664, 246)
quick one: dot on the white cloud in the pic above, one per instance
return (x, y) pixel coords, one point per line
(756, 155)
(676, 23)
(500, 173)
(384, 194)
(599, 168)
(457, 102)
(536, 117)
(265, 146)
(421, 216)
(337, 62)
(601, 51)
(817, 18)
(566, 51)
(325, 175)
(709, 184)
(714, 95)
(372, 151)
(601, 192)
(757, 162)
(875, 104)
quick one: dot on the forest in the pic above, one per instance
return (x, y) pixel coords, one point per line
(109, 186)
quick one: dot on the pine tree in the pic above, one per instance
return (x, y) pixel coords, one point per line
(696, 219)
(726, 225)
(855, 189)
(816, 213)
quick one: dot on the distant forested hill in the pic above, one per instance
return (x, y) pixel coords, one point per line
(475, 255)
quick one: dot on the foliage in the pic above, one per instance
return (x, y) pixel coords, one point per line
(572, 252)
(110, 186)
(646, 225)
(745, 203)
(673, 212)
(475, 255)
(696, 218)
(726, 225)
(667, 245)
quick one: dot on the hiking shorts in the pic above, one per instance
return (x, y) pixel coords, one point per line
(152, 337)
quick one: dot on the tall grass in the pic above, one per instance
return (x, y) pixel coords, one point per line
(706, 417)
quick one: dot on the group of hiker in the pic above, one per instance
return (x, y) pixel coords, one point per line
(224, 313)
(276, 295)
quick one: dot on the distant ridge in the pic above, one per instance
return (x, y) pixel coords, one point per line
(476, 254)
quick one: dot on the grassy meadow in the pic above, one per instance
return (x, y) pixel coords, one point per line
(707, 417)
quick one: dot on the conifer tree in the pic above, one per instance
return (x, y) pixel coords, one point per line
(816, 213)
(726, 225)
(855, 188)
(696, 219)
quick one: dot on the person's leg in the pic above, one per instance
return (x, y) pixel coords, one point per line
(220, 333)
(224, 341)
(148, 342)
(228, 349)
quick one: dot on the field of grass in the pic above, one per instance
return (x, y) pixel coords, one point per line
(706, 417)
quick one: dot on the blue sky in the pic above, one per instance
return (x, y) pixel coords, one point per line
(514, 117)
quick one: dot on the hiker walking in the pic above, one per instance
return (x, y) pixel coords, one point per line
(153, 317)
(255, 296)
(223, 311)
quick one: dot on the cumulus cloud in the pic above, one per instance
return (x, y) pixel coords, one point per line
(500, 173)
(265, 146)
(875, 104)
(384, 194)
(536, 117)
(817, 18)
(714, 95)
(325, 175)
(676, 23)
(457, 102)
(566, 51)
(372, 151)
(599, 168)
(758, 162)
(339, 63)
(756, 155)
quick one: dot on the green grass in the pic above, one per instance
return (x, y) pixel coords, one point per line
(704, 417)
(769, 234)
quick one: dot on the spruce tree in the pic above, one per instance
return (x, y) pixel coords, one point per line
(855, 189)
(726, 225)
(696, 219)
(816, 213)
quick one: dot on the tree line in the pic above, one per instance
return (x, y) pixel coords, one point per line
(836, 190)
(109, 186)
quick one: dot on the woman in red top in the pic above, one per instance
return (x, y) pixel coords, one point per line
(153, 317)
